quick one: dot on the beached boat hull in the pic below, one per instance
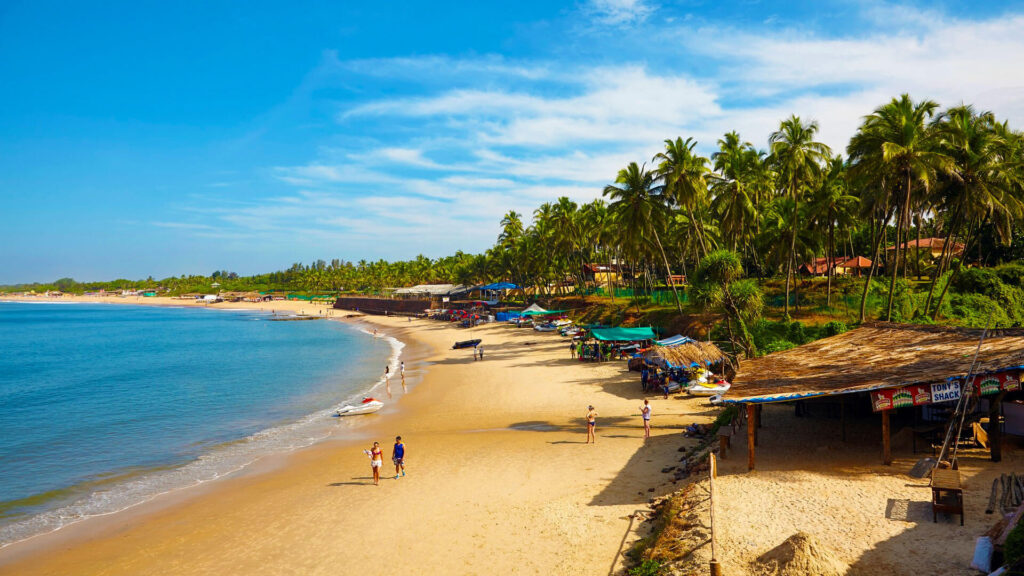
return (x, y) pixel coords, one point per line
(466, 344)
(368, 406)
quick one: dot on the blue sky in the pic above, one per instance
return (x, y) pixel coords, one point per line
(151, 138)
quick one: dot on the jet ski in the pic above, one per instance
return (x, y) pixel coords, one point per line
(367, 406)
(708, 388)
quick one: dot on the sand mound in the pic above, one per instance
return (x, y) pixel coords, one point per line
(799, 555)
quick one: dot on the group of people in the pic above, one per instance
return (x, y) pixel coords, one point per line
(645, 412)
(376, 455)
(387, 378)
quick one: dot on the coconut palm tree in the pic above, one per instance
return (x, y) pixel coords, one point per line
(982, 183)
(832, 206)
(895, 141)
(639, 208)
(798, 159)
(718, 285)
(685, 176)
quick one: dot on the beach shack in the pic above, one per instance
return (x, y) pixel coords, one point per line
(891, 368)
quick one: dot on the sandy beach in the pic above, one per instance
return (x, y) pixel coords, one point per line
(499, 479)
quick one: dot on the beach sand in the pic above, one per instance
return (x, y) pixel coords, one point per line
(499, 479)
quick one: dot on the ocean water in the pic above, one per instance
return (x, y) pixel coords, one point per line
(105, 406)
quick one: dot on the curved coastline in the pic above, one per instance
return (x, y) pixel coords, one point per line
(131, 490)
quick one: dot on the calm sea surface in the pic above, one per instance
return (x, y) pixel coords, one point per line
(105, 406)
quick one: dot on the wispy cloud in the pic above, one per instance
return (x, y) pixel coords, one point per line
(617, 12)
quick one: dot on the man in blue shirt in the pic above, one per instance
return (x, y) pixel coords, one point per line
(398, 457)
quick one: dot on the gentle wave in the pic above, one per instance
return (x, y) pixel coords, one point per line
(219, 462)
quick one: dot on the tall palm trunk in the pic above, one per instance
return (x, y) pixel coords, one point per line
(792, 245)
(967, 243)
(904, 212)
(874, 257)
(668, 273)
(944, 259)
(831, 255)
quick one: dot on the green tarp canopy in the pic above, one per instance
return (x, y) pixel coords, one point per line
(623, 334)
(542, 313)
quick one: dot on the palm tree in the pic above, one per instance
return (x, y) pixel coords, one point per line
(639, 209)
(981, 183)
(798, 158)
(832, 206)
(719, 286)
(895, 141)
(685, 175)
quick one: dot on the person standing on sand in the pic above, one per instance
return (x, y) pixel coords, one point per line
(572, 350)
(480, 348)
(645, 412)
(376, 461)
(591, 424)
(398, 456)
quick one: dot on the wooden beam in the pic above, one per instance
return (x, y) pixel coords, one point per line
(886, 446)
(751, 434)
(995, 432)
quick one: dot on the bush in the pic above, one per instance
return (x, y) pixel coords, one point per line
(648, 568)
(977, 281)
(795, 333)
(777, 346)
(1011, 274)
(973, 310)
(1013, 549)
(834, 327)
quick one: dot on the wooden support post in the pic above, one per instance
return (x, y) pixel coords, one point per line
(751, 434)
(995, 432)
(842, 414)
(886, 447)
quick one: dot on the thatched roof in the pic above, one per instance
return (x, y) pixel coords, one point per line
(875, 356)
(702, 353)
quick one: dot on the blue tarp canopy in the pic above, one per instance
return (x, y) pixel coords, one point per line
(677, 340)
(499, 286)
(623, 334)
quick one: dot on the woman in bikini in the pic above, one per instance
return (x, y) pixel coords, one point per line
(376, 461)
(591, 424)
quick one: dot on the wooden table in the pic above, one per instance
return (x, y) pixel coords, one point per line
(947, 494)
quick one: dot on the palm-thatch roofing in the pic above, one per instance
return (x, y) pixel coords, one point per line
(687, 354)
(872, 357)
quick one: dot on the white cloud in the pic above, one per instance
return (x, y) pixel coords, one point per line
(498, 135)
(618, 12)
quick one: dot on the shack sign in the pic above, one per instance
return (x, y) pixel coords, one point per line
(946, 391)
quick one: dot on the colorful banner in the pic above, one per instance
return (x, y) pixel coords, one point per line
(993, 383)
(915, 395)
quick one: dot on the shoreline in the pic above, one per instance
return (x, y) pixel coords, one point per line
(498, 439)
(251, 461)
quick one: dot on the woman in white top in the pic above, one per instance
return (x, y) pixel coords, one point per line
(645, 411)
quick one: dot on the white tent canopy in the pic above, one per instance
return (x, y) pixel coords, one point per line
(534, 308)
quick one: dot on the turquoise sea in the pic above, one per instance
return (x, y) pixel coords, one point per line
(104, 406)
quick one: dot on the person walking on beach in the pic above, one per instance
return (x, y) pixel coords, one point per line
(645, 412)
(480, 349)
(376, 461)
(572, 350)
(591, 424)
(398, 456)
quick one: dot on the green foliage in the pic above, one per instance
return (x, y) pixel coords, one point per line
(795, 333)
(777, 346)
(833, 328)
(1011, 274)
(647, 568)
(977, 281)
(1013, 549)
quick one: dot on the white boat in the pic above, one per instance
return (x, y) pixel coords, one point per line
(367, 406)
(708, 388)
(545, 328)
